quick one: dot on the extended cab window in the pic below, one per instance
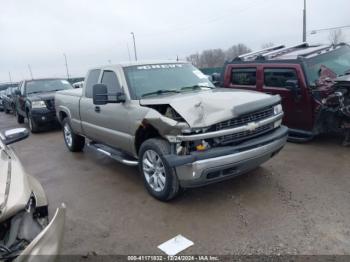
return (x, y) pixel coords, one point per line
(110, 79)
(280, 77)
(91, 80)
(243, 76)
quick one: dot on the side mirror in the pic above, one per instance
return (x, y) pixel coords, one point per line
(121, 98)
(13, 135)
(216, 79)
(293, 86)
(99, 94)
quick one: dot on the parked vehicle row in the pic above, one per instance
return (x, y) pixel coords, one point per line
(2, 93)
(8, 100)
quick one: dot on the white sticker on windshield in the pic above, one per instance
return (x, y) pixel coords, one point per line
(199, 74)
(163, 66)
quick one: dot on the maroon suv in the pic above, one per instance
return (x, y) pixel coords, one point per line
(314, 98)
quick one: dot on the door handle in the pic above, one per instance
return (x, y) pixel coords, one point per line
(97, 109)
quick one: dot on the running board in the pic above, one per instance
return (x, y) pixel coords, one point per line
(114, 154)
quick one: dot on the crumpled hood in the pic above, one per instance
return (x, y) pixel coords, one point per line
(14, 185)
(42, 96)
(205, 108)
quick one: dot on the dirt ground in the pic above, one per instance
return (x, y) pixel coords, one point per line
(297, 203)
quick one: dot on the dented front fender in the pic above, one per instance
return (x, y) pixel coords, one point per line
(48, 243)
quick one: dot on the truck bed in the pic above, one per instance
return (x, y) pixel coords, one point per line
(68, 101)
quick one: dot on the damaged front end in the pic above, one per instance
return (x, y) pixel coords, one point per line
(213, 119)
(334, 113)
(216, 136)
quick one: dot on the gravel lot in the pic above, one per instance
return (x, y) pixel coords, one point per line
(297, 203)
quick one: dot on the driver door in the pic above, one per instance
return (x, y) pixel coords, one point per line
(107, 124)
(296, 107)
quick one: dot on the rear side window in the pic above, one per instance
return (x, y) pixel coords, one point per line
(280, 77)
(91, 80)
(110, 79)
(243, 76)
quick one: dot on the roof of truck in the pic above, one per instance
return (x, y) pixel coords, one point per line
(283, 53)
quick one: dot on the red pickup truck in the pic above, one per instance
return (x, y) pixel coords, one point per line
(313, 81)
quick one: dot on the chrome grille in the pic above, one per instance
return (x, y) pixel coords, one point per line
(244, 135)
(245, 119)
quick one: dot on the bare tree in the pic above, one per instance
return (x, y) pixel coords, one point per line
(212, 58)
(194, 59)
(236, 50)
(267, 45)
(336, 36)
(217, 57)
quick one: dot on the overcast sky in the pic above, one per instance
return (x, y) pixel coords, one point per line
(95, 32)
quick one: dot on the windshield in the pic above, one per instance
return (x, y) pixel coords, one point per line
(338, 61)
(39, 86)
(157, 79)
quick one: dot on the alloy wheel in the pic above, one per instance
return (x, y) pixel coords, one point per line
(154, 170)
(67, 135)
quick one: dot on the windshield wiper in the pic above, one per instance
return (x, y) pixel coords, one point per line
(195, 87)
(161, 91)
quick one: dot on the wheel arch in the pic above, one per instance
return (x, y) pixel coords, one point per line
(145, 131)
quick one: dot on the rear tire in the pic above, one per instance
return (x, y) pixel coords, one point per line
(20, 119)
(74, 142)
(160, 180)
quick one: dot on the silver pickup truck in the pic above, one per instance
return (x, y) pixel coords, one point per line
(171, 121)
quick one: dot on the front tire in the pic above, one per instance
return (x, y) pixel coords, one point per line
(74, 142)
(33, 126)
(160, 180)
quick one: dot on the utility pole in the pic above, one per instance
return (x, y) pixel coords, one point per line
(30, 71)
(304, 22)
(65, 59)
(133, 38)
(10, 77)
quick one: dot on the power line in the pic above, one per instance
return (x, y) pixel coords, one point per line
(330, 28)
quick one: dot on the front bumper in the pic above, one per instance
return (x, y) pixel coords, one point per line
(217, 164)
(44, 116)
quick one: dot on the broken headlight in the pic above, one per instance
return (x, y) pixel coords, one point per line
(277, 109)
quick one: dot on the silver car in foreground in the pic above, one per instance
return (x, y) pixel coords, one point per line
(25, 229)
